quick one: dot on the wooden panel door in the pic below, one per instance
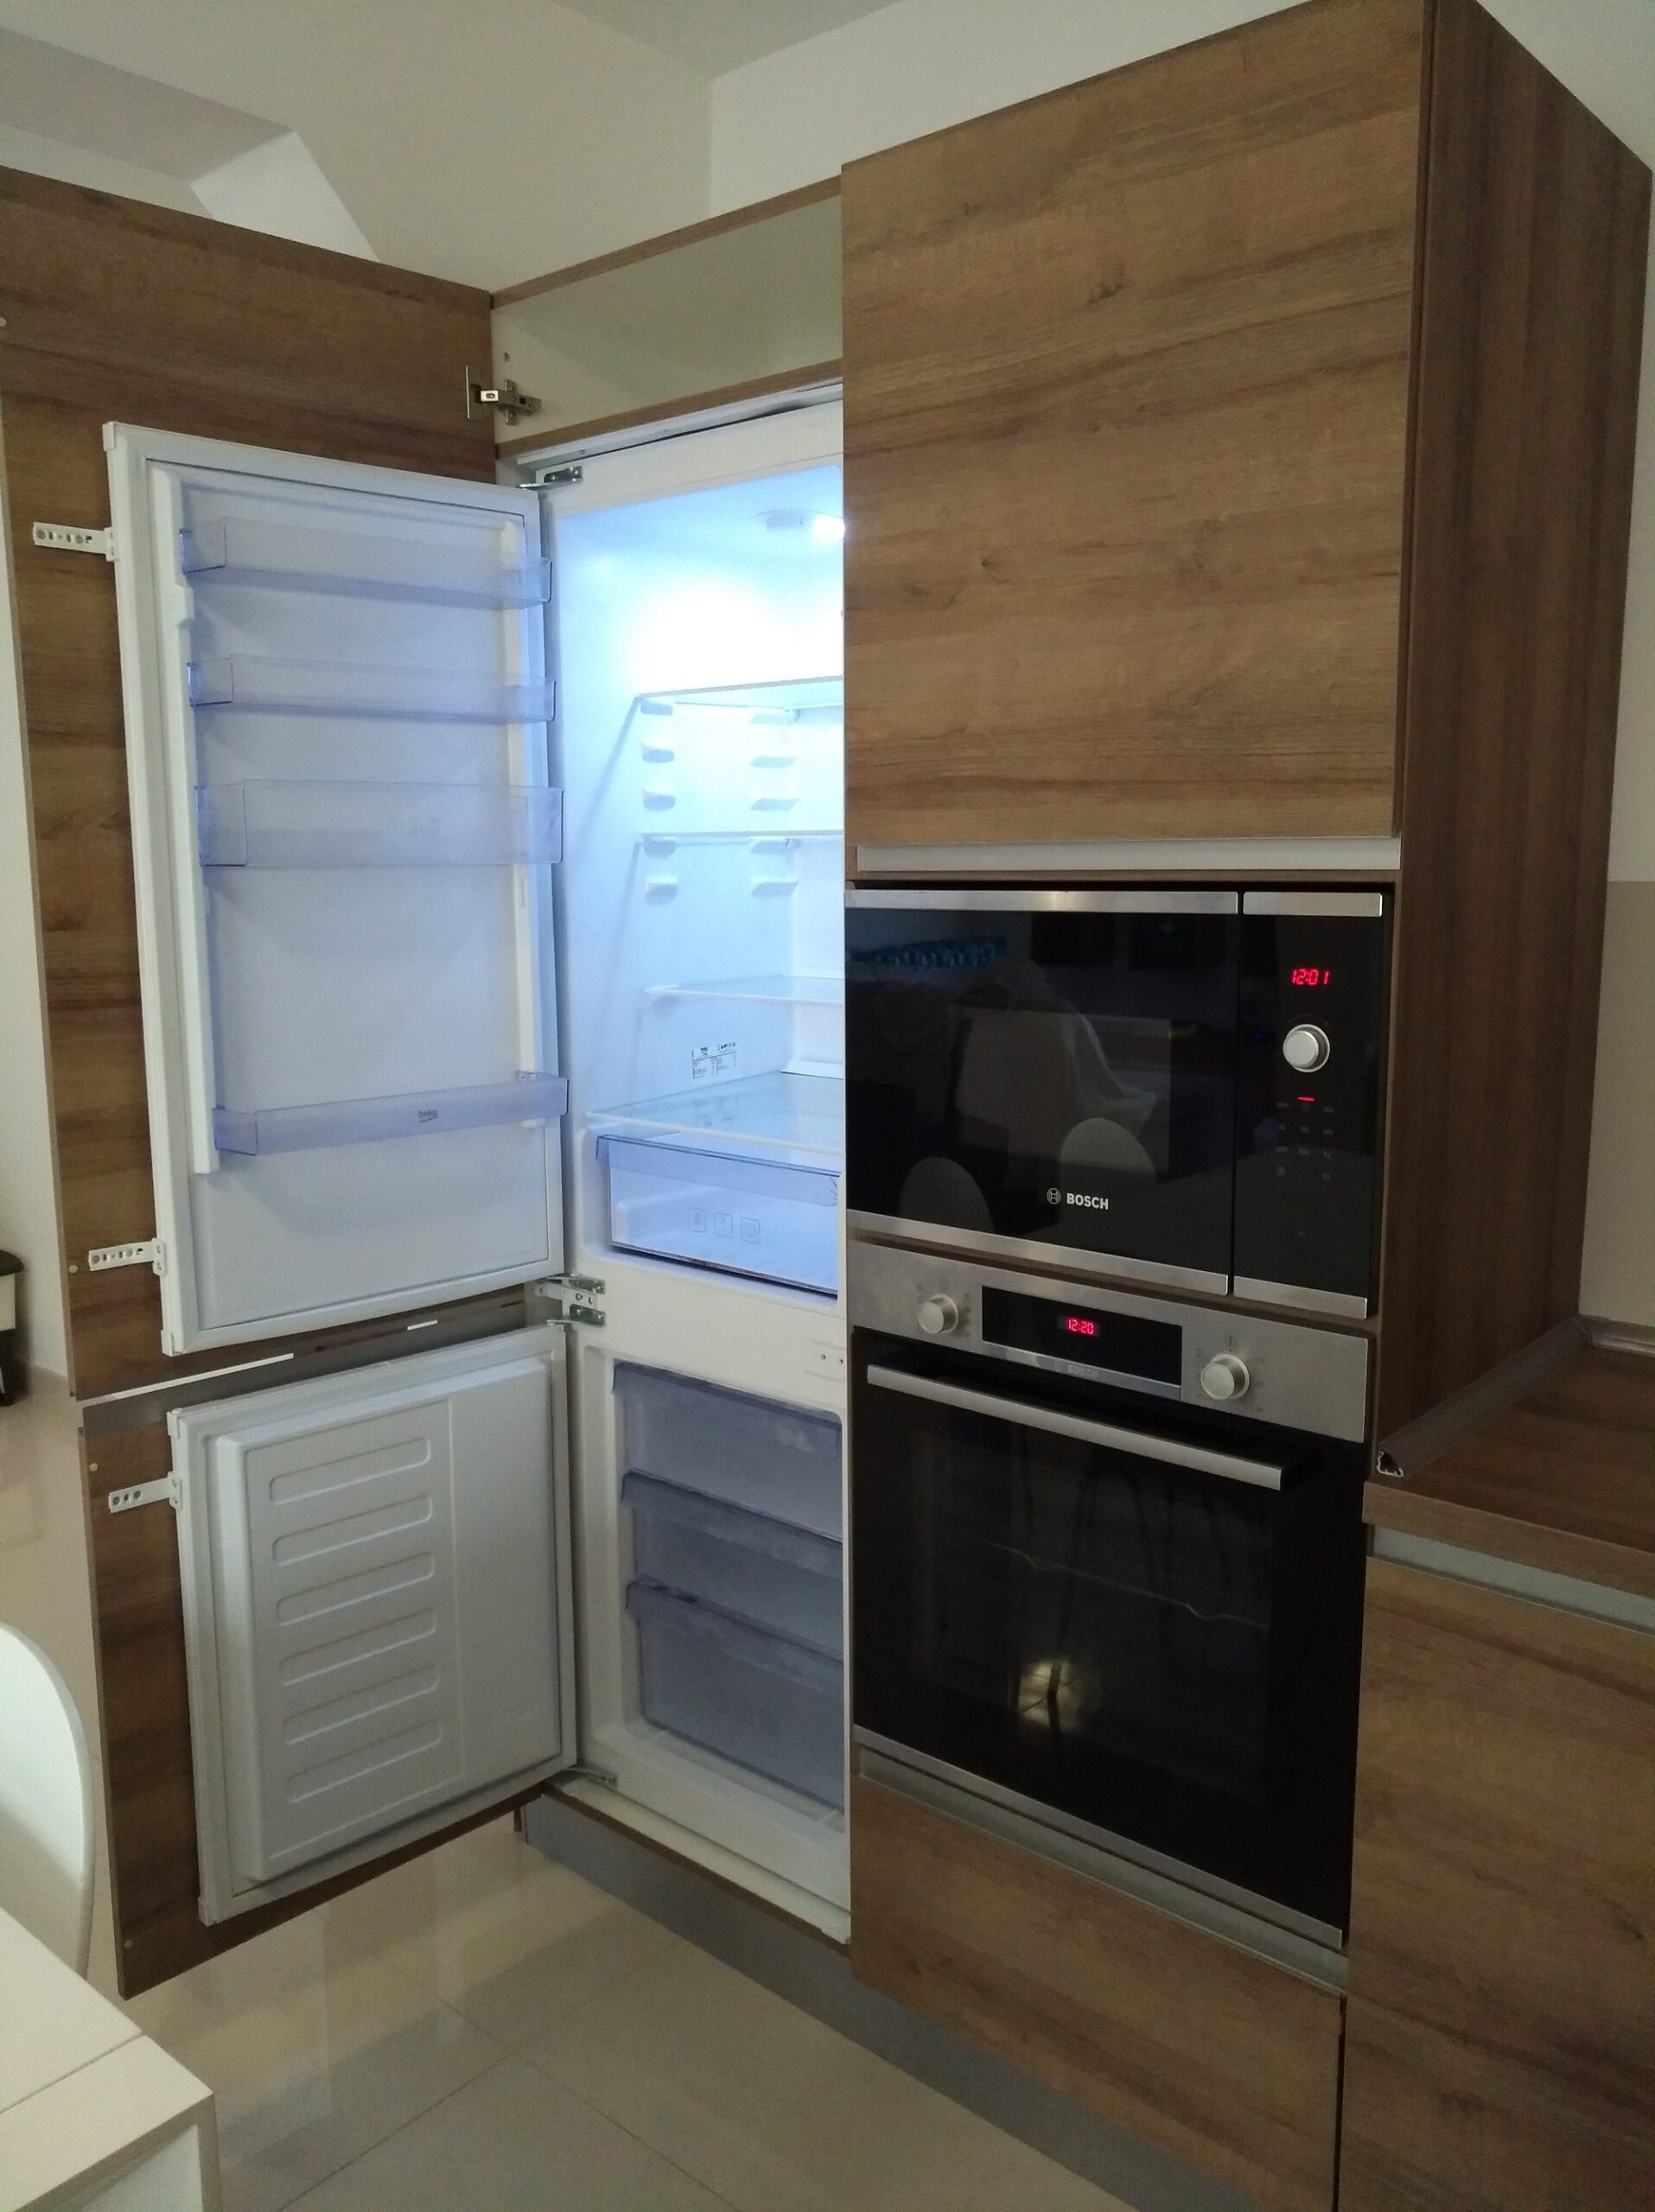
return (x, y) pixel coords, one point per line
(1126, 401)
(1192, 2044)
(1502, 1906)
(118, 312)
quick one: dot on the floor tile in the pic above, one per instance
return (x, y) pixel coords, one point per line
(511, 2141)
(493, 1928)
(778, 2114)
(314, 2052)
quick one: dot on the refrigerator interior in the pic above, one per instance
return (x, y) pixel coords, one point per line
(700, 655)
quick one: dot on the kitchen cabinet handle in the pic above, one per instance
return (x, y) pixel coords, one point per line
(1259, 1472)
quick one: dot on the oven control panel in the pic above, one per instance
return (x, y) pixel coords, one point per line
(1241, 1364)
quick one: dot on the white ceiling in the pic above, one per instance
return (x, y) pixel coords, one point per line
(714, 35)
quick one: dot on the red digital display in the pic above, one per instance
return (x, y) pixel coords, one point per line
(1078, 1325)
(1311, 979)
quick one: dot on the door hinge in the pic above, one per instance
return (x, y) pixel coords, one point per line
(72, 537)
(551, 479)
(503, 397)
(570, 1299)
(153, 1254)
(164, 1490)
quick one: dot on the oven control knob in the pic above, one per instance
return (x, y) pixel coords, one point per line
(1305, 1048)
(938, 1315)
(1226, 1376)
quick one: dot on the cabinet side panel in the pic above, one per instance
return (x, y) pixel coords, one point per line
(1126, 390)
(1534, 241)
(1220, 2058)
(115, 311)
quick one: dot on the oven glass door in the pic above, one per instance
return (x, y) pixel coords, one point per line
(1056, 1591)
(1055, 1068)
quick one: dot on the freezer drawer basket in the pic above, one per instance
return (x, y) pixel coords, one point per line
(776, 1577)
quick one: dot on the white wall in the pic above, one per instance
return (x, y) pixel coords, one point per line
(28, 1223)
(487, 140)
(44, 156)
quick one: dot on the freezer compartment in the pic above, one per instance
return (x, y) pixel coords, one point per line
(771, 1219)
(773, 1576)
(756, 1699)
(744, 1451)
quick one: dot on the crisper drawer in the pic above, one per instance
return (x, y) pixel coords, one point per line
(747, 1452)
(760, 1699)
(770, 1220)
(777, 1577)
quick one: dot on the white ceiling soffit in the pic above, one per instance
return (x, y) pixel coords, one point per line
(714, 35)
(55, 94)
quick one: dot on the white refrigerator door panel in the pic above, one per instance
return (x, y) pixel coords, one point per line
(343, 996)
(376, 1606)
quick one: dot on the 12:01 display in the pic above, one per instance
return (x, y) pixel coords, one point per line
(1310, 979)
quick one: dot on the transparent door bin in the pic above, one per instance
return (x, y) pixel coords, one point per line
(752, 1452)
(762, 1570)
(254, 1132)
(319, 687)
(756, 1699)
(469, 568)
(769, 1220)
(801, 1115)
(292, 825)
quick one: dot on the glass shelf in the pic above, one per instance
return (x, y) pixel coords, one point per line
(773, 1113)
(759, 990)
(361, 1121)
(465, 571)
(317, 687)
(282, 825)
(761, 841)
(817, 698)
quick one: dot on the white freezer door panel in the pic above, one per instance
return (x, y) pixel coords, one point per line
(375, 1576)
(342, 999)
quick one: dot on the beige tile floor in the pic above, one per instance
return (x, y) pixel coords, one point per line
(483, 2031)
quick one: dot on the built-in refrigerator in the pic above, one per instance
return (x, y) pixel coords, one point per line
(489, 868)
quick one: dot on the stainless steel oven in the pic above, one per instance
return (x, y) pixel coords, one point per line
(1177, 1085)
(1108, 1569)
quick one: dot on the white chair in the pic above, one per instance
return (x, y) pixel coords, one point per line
(46, 1821)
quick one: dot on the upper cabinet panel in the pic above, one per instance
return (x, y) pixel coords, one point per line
(1126, 420)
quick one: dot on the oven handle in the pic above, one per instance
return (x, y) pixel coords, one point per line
(1259, 1472)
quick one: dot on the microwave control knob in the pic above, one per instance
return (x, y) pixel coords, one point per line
(938, 1315)
(1305, 1048)
(1226, 1376)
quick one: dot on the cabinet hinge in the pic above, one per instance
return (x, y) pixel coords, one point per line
(150, 1254)
(163, 1490)
(503, 397)
(72, 537)
(570, 1299)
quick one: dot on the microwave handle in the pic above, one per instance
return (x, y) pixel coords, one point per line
(1259, 1472)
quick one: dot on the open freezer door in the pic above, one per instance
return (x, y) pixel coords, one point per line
(344, 829)
(377, 1610)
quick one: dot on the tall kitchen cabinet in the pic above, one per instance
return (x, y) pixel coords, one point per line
(474, 903)
(1238, 462)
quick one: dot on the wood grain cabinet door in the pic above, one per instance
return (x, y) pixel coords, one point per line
(1220, 2058)
(1126, 398)
(1503, 1911)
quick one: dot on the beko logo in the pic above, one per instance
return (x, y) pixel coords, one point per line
(1055, 1197)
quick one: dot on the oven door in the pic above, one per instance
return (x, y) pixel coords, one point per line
(1037, 1070)
(1144, 1619)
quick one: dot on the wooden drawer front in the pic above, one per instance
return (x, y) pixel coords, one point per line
(1126, 384)
(1505, 1870)
(1433, 2124)
(1218, 2057)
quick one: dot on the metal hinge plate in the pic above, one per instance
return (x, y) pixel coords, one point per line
(72, 537)
(152, 1254)
(551, 479)
(503, 396)
(571, 1297)
(163, 1491)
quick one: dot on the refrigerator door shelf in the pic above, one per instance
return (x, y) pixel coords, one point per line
(466, 570)
(301, 825)
(251, 1133)
(319, 687)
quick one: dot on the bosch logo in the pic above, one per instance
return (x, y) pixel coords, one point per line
(1054, 1197)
